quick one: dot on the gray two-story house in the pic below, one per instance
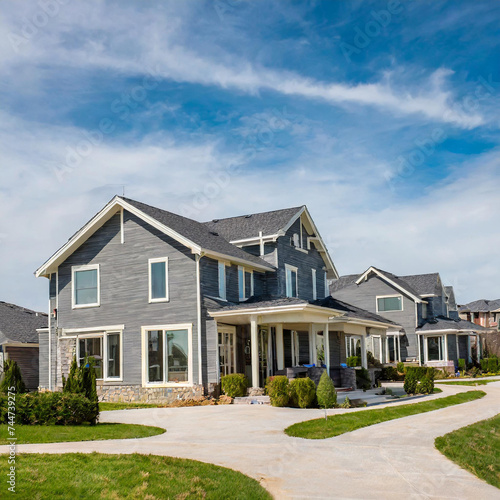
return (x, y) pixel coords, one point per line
(167, 305)
(432, 332)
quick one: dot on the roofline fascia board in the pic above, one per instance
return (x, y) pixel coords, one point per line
(380, 275)
(91, 329)
(425, 295)
(256, 239)
(246, 263)
(276, 309)
(20, 344)
(42, 330)
(364, 322)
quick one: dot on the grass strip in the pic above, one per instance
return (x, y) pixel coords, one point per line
(467, 382)
(30, 434)
(475, 448)
(134, 476)
(339, 424)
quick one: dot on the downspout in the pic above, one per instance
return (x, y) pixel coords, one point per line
(198, 300)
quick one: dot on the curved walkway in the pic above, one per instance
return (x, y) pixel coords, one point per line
(394, 459)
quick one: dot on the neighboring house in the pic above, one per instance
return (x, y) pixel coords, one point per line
(482, 312)
(19, 329)
(166, 304)
(432, 332)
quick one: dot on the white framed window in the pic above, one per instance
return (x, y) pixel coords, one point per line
(390, 303)
(327, 288)
(107, 350)
(291, 273)
(241, 283)
(222, 280)
(85, 283)
(314, 284)
(434, 348)
(158, 279)
(167, 355)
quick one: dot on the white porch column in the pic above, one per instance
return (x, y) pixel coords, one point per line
(426, 350)
(311, 344)
(469, 349)
(446, 347)
(419, 351)
(364, 359)
(254, 340)
(280, 351)
(326, 345)
(387, 349)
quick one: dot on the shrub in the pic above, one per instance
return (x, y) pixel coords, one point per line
(278, 389)
(461, 364)
(302, 392)
(234, 385)
(363, 379)
(401, 367)
(484, 364)
(326, 393)
(51, 408)
(12, 380)
(353, 361)
(426, 385)
(390, 373)
(74, 383)
(411, 381)
(346, 403)
(492, 365)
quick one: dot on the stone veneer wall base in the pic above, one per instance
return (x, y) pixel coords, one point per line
(139, 394)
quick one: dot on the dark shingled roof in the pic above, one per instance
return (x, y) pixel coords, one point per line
(329, 302)
(342, 282)
(424, 284)
(18, 324)
(442, 323)
(197, 232)
(248, 226)
(481, 305)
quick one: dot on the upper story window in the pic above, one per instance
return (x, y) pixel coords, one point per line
(158, 280)
(291, 281)
(241, 283)
(391, 303)
(85, 284)
(314, 284)
(222, 280)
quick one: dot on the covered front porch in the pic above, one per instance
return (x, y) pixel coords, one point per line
(292, 339)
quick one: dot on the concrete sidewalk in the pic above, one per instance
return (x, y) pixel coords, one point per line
(395, 459)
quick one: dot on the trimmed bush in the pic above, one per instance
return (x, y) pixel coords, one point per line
(492, 365)
(12, 380)
(401, 367)
(390, 373)
(51, 408)
(353, 361)
(278, 390)
(411, 381)
(484, 364)
(234, 385)
(426, 385)
(363, 379)
(326, 393)
(302, 392)
(461, 364)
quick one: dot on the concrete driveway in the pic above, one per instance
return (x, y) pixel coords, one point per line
(395, 459)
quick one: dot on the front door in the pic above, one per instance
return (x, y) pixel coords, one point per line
(227, 349)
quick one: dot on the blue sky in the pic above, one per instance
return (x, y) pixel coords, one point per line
(381, 117)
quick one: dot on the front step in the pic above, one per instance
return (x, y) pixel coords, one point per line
(252, 400)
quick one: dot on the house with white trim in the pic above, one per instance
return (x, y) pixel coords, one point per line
(167, 305)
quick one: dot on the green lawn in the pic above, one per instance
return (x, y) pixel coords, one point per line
(467, 382)
(44, 476)
(347, 422)
(475, 448)
(61, 433)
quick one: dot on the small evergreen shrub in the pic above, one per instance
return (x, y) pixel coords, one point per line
(302, 392)
(461, 364)
(51, 408)
(353, 361)
(12, 378)
(492, 365)
(390, 373)
(326, 393)
(426, 385)
(234, 385)
(363, 379)
(346, 403)
(411, 381)
(278, 389)
(401, 367)
(484, 364)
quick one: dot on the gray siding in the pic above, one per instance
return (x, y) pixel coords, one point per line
(364, 296)
(124, 287)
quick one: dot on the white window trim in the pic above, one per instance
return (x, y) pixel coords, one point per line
(161, 299)
(441, 347)
(327, 288)
(144, 334)
(104, 335)
(314, 284)
(89, 267)
(242, 270)
(251, 284)
(389, 297)
(296, 270)
(221, 265)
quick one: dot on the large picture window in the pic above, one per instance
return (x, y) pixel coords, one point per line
(168, 356)
(291, 281)
(105, 348)
(385, 304)
(158, 280)
(85, 286)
